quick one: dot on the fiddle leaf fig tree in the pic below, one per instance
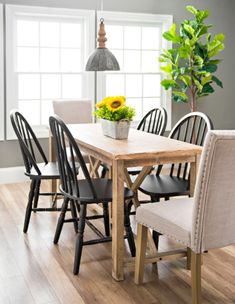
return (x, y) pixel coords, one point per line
(190, 64)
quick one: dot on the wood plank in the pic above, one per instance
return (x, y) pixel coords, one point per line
(139, 145)
(118, 219)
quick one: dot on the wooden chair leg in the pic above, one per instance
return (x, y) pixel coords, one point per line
(142, 232)
(79, 242)
(29, 206)
(196, 277)
(60, 222)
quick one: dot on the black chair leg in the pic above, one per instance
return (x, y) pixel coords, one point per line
(106, 219)
(60, 222)
(129, 232)
(36, 194)
(79, 241)
(155, 234)
(29, 206)
(74, 215)
(104, 171)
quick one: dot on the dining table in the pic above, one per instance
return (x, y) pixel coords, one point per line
(140, 149)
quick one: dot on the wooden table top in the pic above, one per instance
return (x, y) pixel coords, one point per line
(138, 145)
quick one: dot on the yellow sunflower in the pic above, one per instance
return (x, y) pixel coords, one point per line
(115, 103)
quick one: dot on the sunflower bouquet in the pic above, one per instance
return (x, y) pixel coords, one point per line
(114, 108)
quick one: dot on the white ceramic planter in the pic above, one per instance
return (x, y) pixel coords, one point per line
(116, 129)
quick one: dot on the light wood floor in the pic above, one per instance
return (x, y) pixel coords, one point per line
(34, 270)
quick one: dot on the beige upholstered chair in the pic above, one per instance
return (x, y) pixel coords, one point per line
(200, 223)
(74, 111)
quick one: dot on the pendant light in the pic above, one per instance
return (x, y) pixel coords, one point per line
(102, 59)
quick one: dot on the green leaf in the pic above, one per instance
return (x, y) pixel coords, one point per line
(216, 61)
(186, 79)
(210, 68)
(220, 37)
(207, 89)
(198, 84)
(202, 31)
(182, 95)
(192, 9)
(189, 29)
(171, 35)
(184, 51)
(199, 61)
(206, 79)
(168, 83)
(167, 69)
(217, 81)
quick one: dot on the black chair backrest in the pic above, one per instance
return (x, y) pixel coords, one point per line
(191, 128)
(29, 144)
(154, 121)
(68, 155)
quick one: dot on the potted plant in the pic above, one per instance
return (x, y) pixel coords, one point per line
(115, 116)
(190, 64)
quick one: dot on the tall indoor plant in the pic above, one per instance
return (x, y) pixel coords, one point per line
(190, 64)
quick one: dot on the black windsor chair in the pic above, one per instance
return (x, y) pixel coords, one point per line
(83, 191)
(31, 151)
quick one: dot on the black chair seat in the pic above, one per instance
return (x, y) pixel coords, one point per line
(164, 186)
(103, 188)
(48, 171)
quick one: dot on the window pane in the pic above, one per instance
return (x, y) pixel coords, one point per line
(115, 85)
(132, 37)
(114, 35)
(51, 86)
(137, 104)
(150, 103)
(133, 85)
(71, 86)
(70, 35)
(27, 33)
(132, 61)
(29, 86)
(50, 61)
(47, 111)
(27, 59)
(152, 85)
(49, 34)
(150, 61)
(31, 110)
(151, 38)
(70, 60)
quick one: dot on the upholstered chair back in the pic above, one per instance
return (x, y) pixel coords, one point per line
(73, 111)
(213, 223)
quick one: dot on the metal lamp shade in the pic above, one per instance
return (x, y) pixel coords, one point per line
(102, 60)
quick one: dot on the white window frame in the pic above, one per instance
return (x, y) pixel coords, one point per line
(14, 11)
(165, 22)
(1, 76)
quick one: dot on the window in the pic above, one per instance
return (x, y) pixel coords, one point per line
(46, 53)
(1, 77)
(136, 41)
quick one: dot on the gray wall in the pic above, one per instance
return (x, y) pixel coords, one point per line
(220, 106)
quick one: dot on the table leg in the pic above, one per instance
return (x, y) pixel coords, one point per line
(193, 174)
(118, 220)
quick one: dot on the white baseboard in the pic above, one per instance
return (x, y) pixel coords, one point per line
(12, 175)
